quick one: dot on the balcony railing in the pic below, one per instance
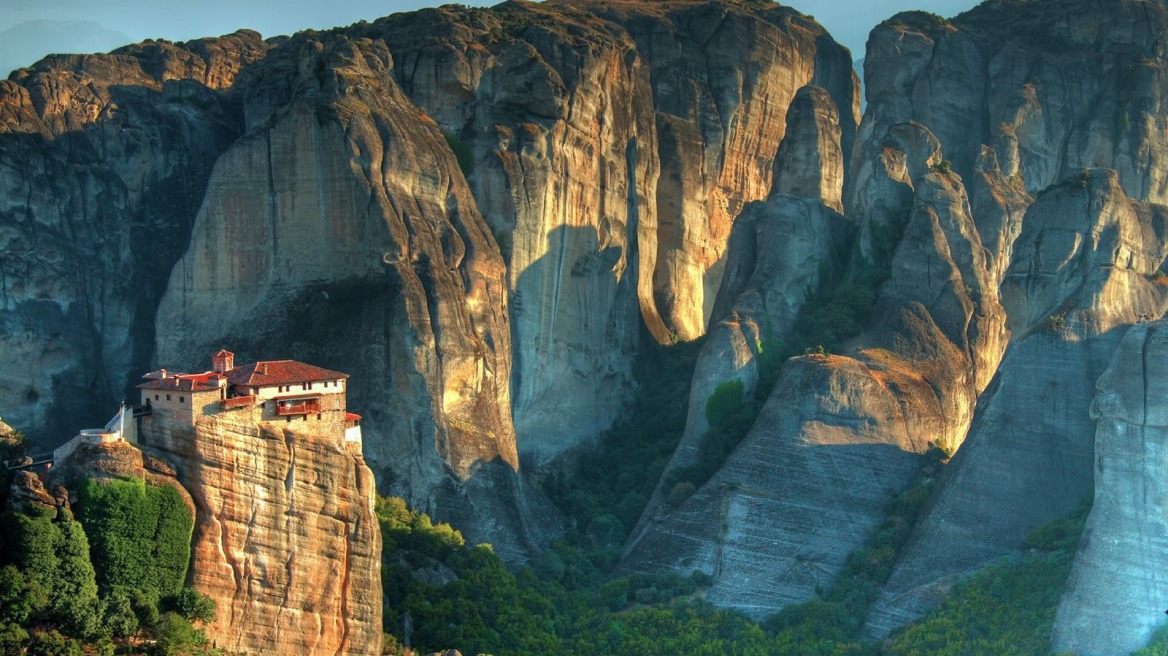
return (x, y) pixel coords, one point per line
(299, 407)
(239, 401)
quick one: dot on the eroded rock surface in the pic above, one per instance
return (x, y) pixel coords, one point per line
(612, 153)
(776, 254)
(103, 164)
(285, 538)
(1086, 264)
(1111, 604)
(840, 434)
(339, 230)
(1053, 87)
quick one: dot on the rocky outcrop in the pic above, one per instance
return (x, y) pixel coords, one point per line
(1111, 604)
(1052, 86)
(557, 114)
(611, 154)
(363, 250)
(1087, 263)
(285, 537)
(841, 433)
(103, 163)
(776, 254)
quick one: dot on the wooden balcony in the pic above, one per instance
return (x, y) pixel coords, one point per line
(239, 401)
(297, 407)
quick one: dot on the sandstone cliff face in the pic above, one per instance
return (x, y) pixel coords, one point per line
(841, 433)
(285, 537)
(1112, 601)
(362, 250)
(103, 163)
(1086, 263)
(558, 115)
(611, 152)
(776, 253)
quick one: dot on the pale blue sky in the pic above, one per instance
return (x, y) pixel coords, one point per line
(848, 20)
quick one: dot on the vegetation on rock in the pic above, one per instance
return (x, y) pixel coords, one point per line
(66, 590)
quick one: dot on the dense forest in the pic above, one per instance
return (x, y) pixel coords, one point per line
(441, 593)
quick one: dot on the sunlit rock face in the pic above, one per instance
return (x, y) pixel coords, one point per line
(612, 151)
(285, 539)
(840, 434)
(103, 164)
(339, 230)
(1086, 264)
(775, 257)
(1112, 602)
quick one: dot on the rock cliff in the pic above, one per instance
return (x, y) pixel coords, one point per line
(1024, 95)
(285, 537)
(293, 198)
(104, 162)
(1086, 264)
(1053, 87)
(1112, 601)
(613, 145)
(775, 257)
(340, 230)
(841, 433)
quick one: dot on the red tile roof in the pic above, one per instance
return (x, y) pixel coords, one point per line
(352, 416)
(203, 382)
(280, 372)
(223, 352)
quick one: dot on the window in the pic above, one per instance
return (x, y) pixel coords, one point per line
(181, 398)
(318, 417)
(155, 397)
(307, 386)
(167, 397)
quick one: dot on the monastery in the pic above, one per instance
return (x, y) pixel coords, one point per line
(273, 390)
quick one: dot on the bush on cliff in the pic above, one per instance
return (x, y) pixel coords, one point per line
(49, 557)
(140, 536)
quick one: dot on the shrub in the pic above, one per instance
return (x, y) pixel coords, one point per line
(1056, 322)
(52, 643)
(141, 535)
(195, 607)
(119, 615)
(177, 636)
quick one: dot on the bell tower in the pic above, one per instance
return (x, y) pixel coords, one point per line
(223, 361)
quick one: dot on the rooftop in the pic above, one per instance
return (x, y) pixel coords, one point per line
(280, 372)
(182, 382)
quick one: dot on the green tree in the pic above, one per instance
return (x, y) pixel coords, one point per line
(16, 602)
(51, 643)
(53, 557)
(12, 639)
(141, 535)
(195, 607)
(176, 636)
(120, 618)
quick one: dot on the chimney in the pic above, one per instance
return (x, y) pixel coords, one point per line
(162, 373)
(223, 361)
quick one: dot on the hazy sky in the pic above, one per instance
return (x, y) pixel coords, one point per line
(848, 20)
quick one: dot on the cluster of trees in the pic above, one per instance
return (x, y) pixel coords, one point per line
(442, 593)
(108, 580)
(604, 493)
(1008, 608)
